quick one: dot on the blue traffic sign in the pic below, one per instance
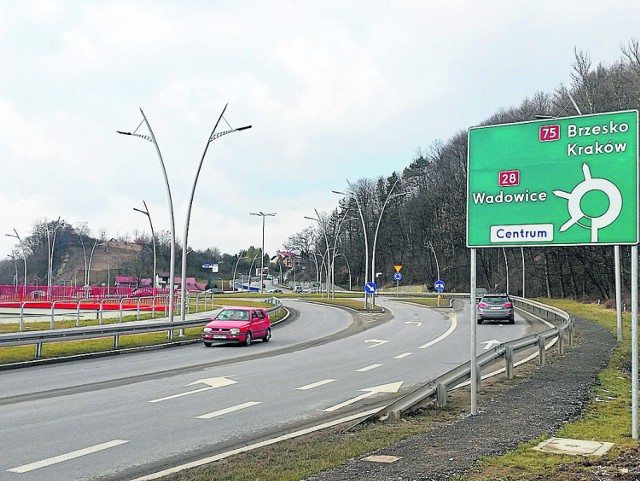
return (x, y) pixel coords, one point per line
(370, 287)
(397, 277)
(439, 285)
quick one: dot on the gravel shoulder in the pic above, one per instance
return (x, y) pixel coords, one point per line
(540, 404)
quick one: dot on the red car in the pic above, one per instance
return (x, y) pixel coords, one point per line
(238, 324)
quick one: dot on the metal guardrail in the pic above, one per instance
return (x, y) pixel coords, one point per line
(438, 388)
(39, 338)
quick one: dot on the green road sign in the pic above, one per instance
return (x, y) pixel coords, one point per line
(568, 181)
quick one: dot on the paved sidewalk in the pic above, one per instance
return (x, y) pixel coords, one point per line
(541, 404)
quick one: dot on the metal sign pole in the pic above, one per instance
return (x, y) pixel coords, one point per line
(634, 342)
(472, 355)
(616, 254)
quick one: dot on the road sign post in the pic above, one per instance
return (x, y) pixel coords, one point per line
(556, 182)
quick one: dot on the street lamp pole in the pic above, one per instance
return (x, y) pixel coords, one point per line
(24, 253)
(263, 215)
(323, 226)
(153, 241)
(90, 259)
(213, 136)
(152, 138)
(51, 245)
(366, 241)
(375, 237)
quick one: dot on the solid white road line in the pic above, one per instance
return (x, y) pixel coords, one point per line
(25, 468)
(228, 410)
(454, 324)
(315, 384)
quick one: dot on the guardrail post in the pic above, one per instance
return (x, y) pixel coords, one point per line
(116, 341)
(22, 317)
(441, 394)
(478, 379)
(78, 315)
(508, 357)
(571, 334)
(542, 350)
(39, 349)
(561, 341)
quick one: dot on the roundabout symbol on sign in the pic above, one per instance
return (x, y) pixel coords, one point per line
(439, 285)
(397, 277)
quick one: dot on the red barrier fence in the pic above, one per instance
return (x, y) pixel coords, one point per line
(15, 293)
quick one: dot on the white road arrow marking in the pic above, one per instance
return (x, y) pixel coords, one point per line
(489, 344)
(25, 468)
(370, 391)
(315, 384)
(378, 342)
(414, 322)
(211, 383)
(228, 410)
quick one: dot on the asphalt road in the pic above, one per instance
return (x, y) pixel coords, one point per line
(124, 416)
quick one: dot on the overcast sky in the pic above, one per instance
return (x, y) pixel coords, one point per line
(334, 90)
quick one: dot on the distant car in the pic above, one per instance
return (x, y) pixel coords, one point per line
(480, 291)
(297, 289)
(274, 291)
(142, 292)
(238, 324)
(495, 306)
(214, 290)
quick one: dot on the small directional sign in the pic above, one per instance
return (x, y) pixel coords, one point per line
(439, 285)
(370, 287)
(397, 277)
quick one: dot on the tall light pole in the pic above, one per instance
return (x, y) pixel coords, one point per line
(263, 215)
(153, 241)
(213, 136)
(24, 253)
(323, 225)
(151, 138)
(90, 259)
(51, 245)
(435, 257)
(366, 241)
(375, 237)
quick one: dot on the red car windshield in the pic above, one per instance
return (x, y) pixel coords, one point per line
(233, 315)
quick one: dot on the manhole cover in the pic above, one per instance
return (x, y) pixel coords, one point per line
(382, 459)
(576, 447)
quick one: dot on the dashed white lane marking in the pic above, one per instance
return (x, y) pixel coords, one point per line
(368, 368)
(25, 468)
(315, 384)
(403, 355)
(228, 410)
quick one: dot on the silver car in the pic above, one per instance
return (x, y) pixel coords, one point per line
(495, 306)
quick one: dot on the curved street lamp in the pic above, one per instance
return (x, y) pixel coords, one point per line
(24, 253)
(153, 240)
(152, 138)
(213, 136)
(366, 241)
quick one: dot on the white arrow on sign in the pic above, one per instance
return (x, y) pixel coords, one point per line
(378, 342)
(489, 344)
(414, 322)
(370, 391)
(211, 383)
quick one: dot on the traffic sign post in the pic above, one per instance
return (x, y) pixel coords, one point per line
(556, 182)
(397, 277)
(569, 181)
